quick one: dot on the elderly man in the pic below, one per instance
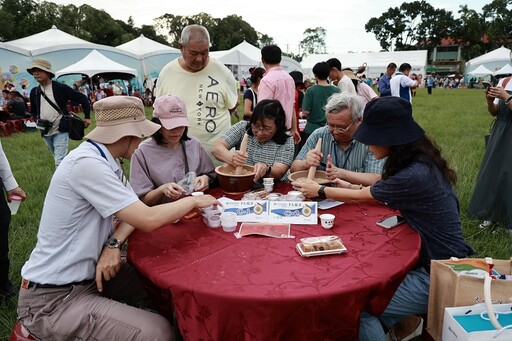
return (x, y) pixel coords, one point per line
(207, 87)
(49, 102)
(340, 155)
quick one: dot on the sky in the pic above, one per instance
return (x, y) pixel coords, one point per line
(284, 21)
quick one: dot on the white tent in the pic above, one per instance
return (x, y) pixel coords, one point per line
(14, 62)
(145, 47)
(493, 60)
(505, 70)
(95, 63)
(153, 55)
(480, 71)
(63, 49)
(233, 57)
(253, 53)
(376, 62)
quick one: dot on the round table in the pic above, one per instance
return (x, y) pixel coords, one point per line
(259, 288)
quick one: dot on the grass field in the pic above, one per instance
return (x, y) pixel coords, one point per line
(456, 119)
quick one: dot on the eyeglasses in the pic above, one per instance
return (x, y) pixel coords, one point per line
(257, 129)
(339, 129)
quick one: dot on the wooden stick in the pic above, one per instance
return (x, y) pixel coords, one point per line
(243, 148)
(312, 169)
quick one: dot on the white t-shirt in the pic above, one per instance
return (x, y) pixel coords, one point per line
(84, 193)
(508, 87)
(345, 84)
(401, 85)
(208, 95)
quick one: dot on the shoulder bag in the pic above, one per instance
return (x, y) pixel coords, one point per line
(74, 124)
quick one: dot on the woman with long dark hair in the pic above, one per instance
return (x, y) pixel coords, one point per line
(418, 182)
(269, 147)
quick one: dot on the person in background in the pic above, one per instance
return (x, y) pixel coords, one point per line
(163, 160)
(363, 90)
(251, 94)
(207, 86)
(418, 182)
(315, 99)
(99, 94)
(384, 87)
(75, 270)
(269, 147)
(9, 184)
(57, 138)
(15, 105)
(340, 155)
(278, 84)
(430, 83)
(25, 93)
(491, 201)
(339, 78)
(136, 93)
(401, 84)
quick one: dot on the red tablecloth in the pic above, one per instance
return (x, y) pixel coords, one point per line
(259, 288)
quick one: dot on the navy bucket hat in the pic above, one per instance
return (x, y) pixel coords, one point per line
(387, 121)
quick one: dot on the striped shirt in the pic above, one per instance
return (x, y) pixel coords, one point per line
(356, 158)
(268, 152)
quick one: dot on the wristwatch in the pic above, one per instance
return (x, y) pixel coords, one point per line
(321, 192)
(113, 243)
(508, 99)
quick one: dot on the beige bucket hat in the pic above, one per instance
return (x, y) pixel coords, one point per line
(41, 64)
(120, 116)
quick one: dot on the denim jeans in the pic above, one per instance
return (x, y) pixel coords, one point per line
(58, 146)
(411, 298)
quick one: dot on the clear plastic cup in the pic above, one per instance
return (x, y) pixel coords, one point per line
(14, 204)
(228, 221)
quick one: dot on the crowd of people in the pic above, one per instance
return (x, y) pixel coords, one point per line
(371, 149)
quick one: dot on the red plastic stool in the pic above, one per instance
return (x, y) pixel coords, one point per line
(19, 333)
(5, 129)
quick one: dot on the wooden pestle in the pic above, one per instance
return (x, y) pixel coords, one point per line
(243, 148)
(312, 169)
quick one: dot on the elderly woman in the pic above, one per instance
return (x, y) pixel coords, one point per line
(416, 181)
(162, 161)
(269, 148)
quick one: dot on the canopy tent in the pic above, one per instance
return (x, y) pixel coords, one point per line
(481, 71)
(97, 64)
(14, 62)
(493, 60)
(254, 54)
(505, 70)
(152, 54)
(376, 62)
(62, 49)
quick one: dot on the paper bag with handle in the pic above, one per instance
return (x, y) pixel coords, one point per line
(451, 288)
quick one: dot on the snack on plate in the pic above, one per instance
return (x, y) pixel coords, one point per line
(323, 245)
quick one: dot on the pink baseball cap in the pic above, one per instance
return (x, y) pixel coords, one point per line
(171, 111)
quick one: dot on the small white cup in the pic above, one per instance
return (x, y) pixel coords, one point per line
(228, 221)
(327, 220)
(268, 181)
(14, 204)
(268, 188)
(213, 221)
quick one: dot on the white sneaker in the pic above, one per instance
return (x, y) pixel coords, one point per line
(486, 224)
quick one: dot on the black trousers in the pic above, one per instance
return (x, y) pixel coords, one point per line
(5, 219)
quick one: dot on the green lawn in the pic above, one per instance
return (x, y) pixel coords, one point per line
(456, 119)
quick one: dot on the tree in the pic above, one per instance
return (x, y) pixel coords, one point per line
(171, 25)
(313, 41)
(231, 31)
(412, 25)
(469, 32)
(264, 40)
(498, 23)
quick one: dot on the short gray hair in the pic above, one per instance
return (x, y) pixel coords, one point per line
(194, 32)
(341, 101)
